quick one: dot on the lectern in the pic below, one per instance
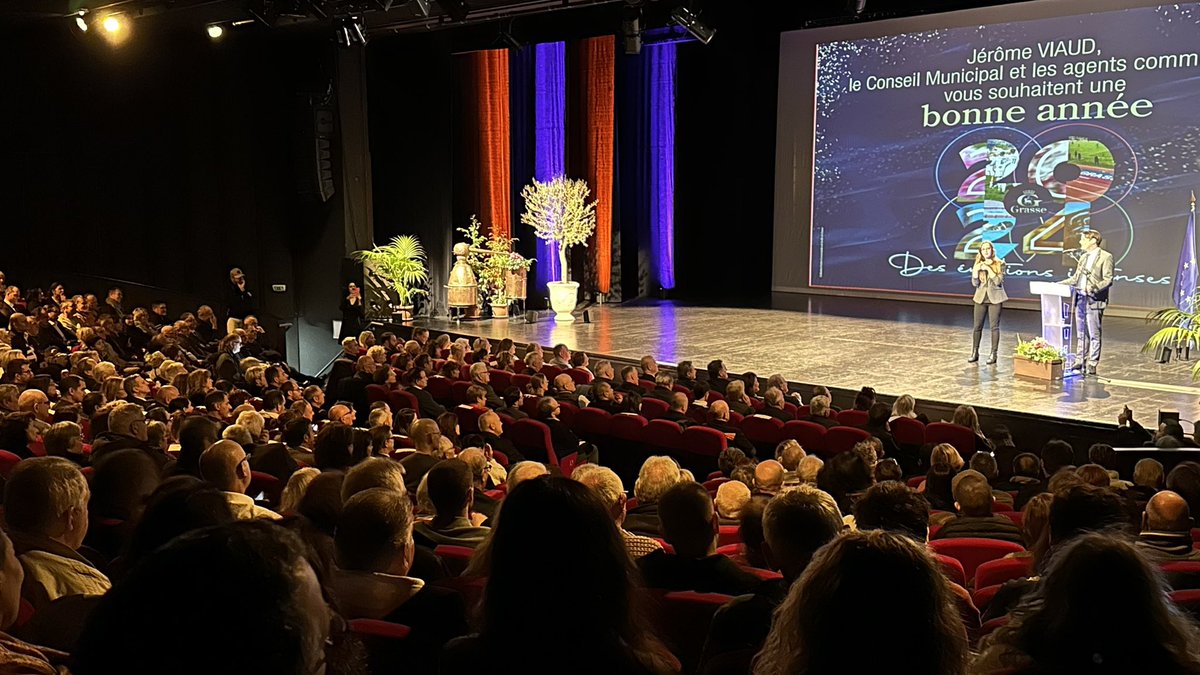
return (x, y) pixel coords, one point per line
(1056, 313)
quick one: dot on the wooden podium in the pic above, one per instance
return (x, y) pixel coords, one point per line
(1056, 314)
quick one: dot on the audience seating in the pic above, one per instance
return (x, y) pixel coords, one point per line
(915, 482)
(1182, 575)
(399, 399)
(852, 418)
(500, 379)
(701, 447)
(973, 552)
(983, 596)
(683, 620)
(952, 568)
(269, 485)
(8, 461)
(1001, 507)
(591, 423)
(679, 388)
(791, 409)
(729, 534)
(713, 483)
(662, 437)
(730, 550)
(377, 392)
(375, 628)
(441, 390)
(989, 627)
(810, 435)
(580, 376)
(1188, 601)
(803, 411)
(908, 432)
(994, 572)
(653, 408)
(456, 558)
(458, 391)
(764, 432)
(532, 438)
(468, 418)
(1017, 517)
(962, 438)
(519, 380)
(843, 439)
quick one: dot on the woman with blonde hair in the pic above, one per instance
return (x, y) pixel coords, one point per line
(987, 276)
(905, 406)
(965, 416)
(840, 586)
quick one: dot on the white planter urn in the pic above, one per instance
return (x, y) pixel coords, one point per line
(564, 295)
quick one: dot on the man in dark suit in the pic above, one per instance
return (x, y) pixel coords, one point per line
(664, 387)
(429, 408)
(565, 441)
(819, 412)
(480, 376)
(8, 307)
(564, 390)
(629, 381)
(685, 374)
(678, 410)
(492, 429)
(718, 377)
(603, 372)
(718, 418)
(1027, 479)
(773, 400)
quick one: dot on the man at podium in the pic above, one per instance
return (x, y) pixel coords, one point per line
(1089, 284)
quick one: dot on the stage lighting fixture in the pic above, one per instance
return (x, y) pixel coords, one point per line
(215, 31)
(356, 30)
(80, 22)
(456, 9)
(422, 7)
(688, 20)
(856, 6)
(265, 11)
(631, 28)
(343, 34)
(350, 30)
(112, 24)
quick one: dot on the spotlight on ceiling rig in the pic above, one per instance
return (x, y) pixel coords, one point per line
(631, 27)
(690, 21)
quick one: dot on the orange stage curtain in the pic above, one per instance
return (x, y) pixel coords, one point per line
(492, 138)
(597, 63)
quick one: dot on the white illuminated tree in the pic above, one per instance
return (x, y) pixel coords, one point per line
(559, 211)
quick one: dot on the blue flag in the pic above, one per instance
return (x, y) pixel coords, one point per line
(1186, 274)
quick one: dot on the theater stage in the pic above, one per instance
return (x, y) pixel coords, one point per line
(897, 347)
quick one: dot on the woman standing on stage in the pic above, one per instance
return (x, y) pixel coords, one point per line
(987, 276)
(352, 312)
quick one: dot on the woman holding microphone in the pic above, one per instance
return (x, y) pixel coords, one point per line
(987, 276)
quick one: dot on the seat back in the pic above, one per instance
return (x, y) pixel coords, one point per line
(375, 628)
(590, 423)
(653, 408)
(713, 483)
(683, 390)
(532, 438)
(842, 439)
(995, 572)
(8, 462)
(376, 392)
(683, 621)
(952, 568)
(580, 376)
(764, 432)
(908, 431)
(791, 408)
(662, 436)
(962, 438)
(519, 380)
(551, 372)
(468, 418)
(729, 534)
(455, 557)
(1018, 517)
(1188, 601)
(627, 427)
(1182, 575)
(458, 391)
(973, 552)
(269, 485)
(441, 389)
(810, 435)
(499, 379)
(704, 441)
(399, 400)
(852, 418)
(915, 481)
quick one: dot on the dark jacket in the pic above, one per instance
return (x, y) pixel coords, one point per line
(429, 408)
(274, 459)
(661, 393)
(352, 319)
(239, 303)
(827, 422)
(711, 574)
(679, 418)
(742, 408)
(740, 627)
(780, 414)
(643, 519)
(416, 465)
(739, 439)
(109, 442)
(503, 445)
(353, 390)
(565, 441)
(983, 527)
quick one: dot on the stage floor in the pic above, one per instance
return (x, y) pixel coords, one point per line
(896, 347)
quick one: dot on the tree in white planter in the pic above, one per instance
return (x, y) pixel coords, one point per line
(559, 211)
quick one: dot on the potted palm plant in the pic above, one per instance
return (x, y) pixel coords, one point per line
(1180, 330)
(400, 262)
(559, 212)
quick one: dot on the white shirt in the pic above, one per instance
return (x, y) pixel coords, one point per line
(1085, 266)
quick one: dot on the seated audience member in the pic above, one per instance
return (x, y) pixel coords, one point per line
(482, 504)
(1166, 534)
(120, 484)
(648, 367)
(629, 381)
(685, 374)
(736, 398)
(750, 529)
(1147, 480)
(1094, 474)
(226, 466)
(1106, 456)
(254, 572)
(427, 438)
(689, 524)
(904, 406)
(333, 448)
(656, 476)
(602, 397)
(294, 491)
(373, 472)
(869, 451)
(965, 416)
(973, 501)
(1067, 626)
(451, 490)
(731, 498)
(985, 464)
(1056, 455)
(45, 509)
(718, 376)
(789, 453)
(768, 478)
(773, 406)
(195, 435)
(565, 441)
(565, 391)
(523, 471)
(297, 437)
(607, 485)
(16, 656)
(718, 418)
(481, 377)
(65, 439)
(492, 428)
(730, 459)
(893, 507)
(819, 412)
(564, 526)
(1035, 529)
(560, 356)
(418, 381)
(808, 469)
(512, 404)
(845, 476)
(888, 469)
(744, 474)
(937, 487)
(664, 387)
(126, 429)
(840, 583)
(1028, 479)
(677, 412)
(1184, 480)
(796, 525)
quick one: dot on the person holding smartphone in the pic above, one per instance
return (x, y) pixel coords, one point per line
(987, 276)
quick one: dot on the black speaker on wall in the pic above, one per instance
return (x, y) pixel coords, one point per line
(314, 145)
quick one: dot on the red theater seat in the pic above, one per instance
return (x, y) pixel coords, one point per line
(763, 431)
(590, 423)
(962, 438)
(376, 392)
(458, 392)
(684, 619)
(627, 427)
(653, 408)
(269, 485)
(500, 380)
(810, 435)
(580, 376)
(532, 438)
(995, 572)
(952, 568)
(399, 400)
(842, 439)
(973, 552)
(441, 389)
(908, 431)
(8, 461)
(456, 558)
(662, 436)
(374, 628)
(852, 418)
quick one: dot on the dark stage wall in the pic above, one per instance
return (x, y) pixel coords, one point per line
(165, 163)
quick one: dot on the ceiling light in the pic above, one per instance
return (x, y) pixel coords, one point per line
(112, 24)
(688, 19)
(215, 31)
(80, 22)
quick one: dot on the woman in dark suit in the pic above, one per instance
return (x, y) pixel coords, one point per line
(987, 276)
(352, 312)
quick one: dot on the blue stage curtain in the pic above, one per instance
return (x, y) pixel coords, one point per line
(660, 66)
(549, 110)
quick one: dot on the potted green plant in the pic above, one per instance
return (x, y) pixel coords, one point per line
(497, 267)
(559, 211)
(1038, 358)
(1180, 330)
(401, 262)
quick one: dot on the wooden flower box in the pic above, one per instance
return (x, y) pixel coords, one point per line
(1043, 371)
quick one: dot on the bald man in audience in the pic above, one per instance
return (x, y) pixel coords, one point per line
(718, 418)
(768, 478)
(677, 411)
(607, 484)
(492, 428)
(427, 438)
(1167, 529)
(732, 497)
(226, 466)
(37, 403)
(341, 413)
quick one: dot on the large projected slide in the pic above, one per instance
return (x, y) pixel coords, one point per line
(1023, 133)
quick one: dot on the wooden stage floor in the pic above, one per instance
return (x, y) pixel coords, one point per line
(896, 347)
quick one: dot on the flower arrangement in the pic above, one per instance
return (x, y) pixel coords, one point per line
(1039, 351)
(558, 211)
(492, 258)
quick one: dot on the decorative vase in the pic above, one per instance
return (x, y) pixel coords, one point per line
(402, 313)
(1042, 370)
(564, 295)
(500, 311)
